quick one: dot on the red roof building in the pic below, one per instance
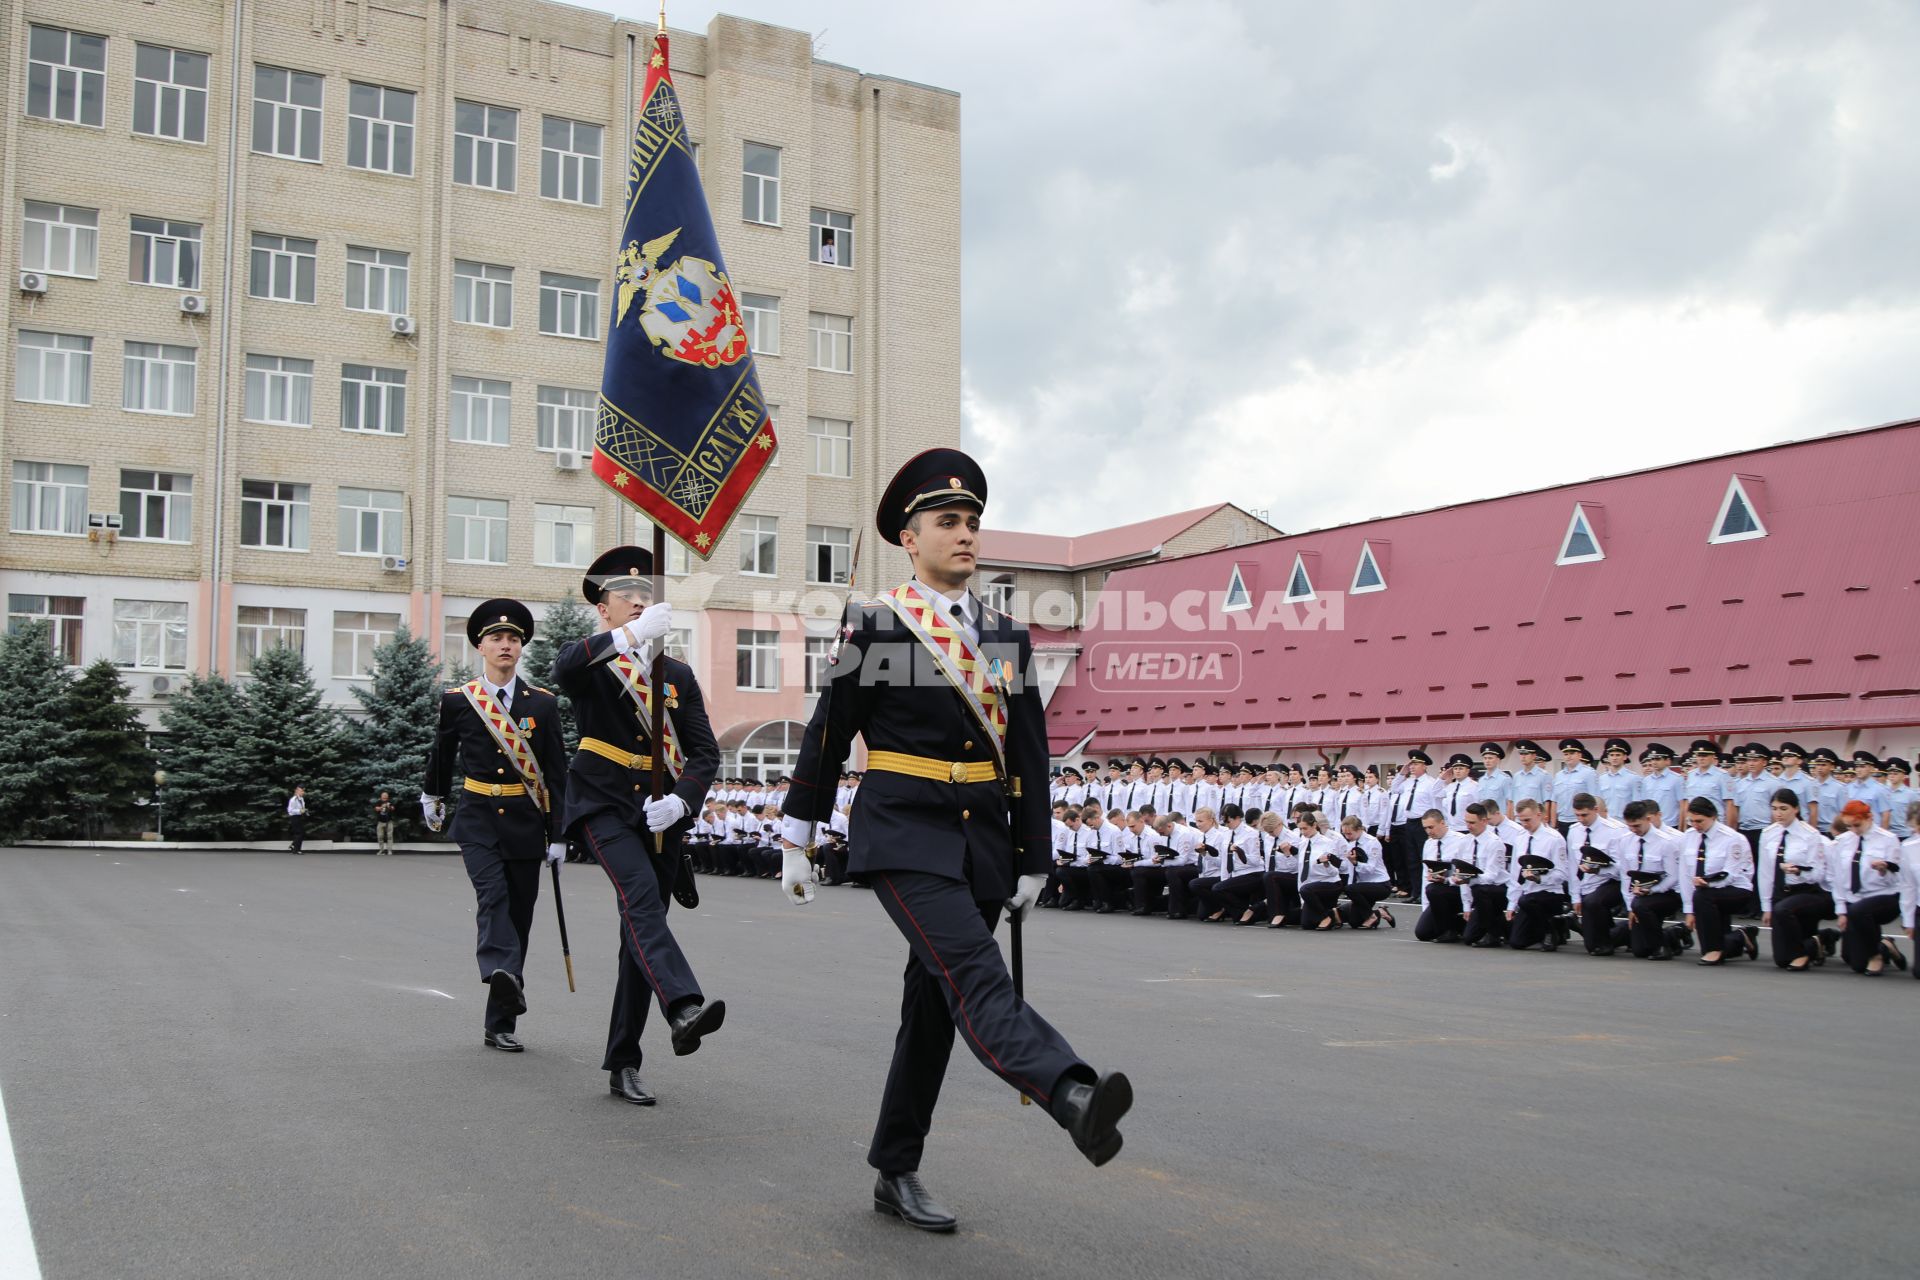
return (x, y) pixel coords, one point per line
(1771, 593)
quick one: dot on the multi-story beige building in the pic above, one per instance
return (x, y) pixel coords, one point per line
(305, 320)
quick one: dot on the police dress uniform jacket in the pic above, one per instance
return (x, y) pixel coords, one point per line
(887, 688)
(603, 710)
(514, 824)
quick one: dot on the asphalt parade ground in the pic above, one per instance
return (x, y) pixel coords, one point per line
(260, 1065)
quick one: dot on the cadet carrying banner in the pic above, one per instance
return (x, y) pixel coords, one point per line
(683, 431)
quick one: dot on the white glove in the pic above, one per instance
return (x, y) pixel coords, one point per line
(664, 812)
(654, 621)
(1026, 892)
(556, 852)
(434, 811)
(796, 876)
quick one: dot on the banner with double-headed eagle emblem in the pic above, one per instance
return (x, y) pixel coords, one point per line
(683, 431)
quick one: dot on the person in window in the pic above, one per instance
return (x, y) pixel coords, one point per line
(297, 819)
(829, 252)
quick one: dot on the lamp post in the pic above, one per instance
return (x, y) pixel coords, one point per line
(160, 804)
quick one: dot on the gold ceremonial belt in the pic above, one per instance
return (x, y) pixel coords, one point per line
(934, 770)
(625, 759)
(496, 788)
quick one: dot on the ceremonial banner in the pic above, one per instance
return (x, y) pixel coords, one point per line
(683, 431)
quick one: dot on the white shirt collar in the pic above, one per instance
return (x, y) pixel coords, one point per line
(497, 690)
(969, 607)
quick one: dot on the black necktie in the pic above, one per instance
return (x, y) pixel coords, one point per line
(1859, 855)
(1700, 856)
(1453, 801)
(1640, 863)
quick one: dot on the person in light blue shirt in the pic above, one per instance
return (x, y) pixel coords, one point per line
(1753, 789)
(1530, 781)
(1576, 777)
(1795, 778)
(1706, 780)
(1870, 790)
(1496, 785)
(1902, 794)
(1829, 792)
(1616, 785)
(1660, 785)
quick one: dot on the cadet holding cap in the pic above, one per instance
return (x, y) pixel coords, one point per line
(636, 839)
(502, 736)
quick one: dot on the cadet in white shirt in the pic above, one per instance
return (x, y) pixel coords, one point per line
(1597, 893)
(1867, 884)
(1107, 878)
(1245, 881)
(1794, 887)
(1537, 894)
(1323, 874)
(1282, 881)
(1486, 902)
(1214, 842)
(1458, 791)
(1650, 861)
(1181, 792)
(1176, 860)
(1722, 885)
(1411, 796)
(1368, 884)
(1442, 859)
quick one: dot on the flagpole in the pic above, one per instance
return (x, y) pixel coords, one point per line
(658, 679)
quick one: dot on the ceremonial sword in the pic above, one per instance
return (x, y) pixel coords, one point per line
(840, 637)
(566, 952)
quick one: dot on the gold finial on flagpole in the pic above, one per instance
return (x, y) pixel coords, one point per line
(663, 17)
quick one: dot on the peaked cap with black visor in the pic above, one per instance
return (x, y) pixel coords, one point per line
(929, 481)
(499, 615)
(617, 569)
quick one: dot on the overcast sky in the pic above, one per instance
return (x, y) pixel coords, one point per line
(1332, 261)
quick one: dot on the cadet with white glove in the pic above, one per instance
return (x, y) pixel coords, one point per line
(950, 826)
(501, 735)
(635, 838)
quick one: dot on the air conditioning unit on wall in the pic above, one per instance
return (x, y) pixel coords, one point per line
(33, 282)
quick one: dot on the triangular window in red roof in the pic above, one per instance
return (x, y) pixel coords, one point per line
(1238, 597)
(1299, 586)
(1582, 544)
(1739, 517)
(1366, 575)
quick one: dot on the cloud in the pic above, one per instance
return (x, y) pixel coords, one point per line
(1327, 259)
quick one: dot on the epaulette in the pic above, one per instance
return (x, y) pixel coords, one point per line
(537, 689)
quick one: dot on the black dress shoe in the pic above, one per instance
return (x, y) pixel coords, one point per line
(504, 1041)
(905, 1197)
(694, 1021)
(1090, 1113)
(1602, 951)
(625, 1085)
(508, 991)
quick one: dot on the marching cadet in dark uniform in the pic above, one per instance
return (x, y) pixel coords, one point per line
(955, 735)
(608, 675)
(502, 735)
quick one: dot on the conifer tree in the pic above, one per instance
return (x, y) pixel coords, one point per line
(114, 767)
(208, 793)
(291, 738)
(565, 622)
(402, 706)
(36, 746)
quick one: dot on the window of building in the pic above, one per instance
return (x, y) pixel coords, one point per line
(1299, 585)
(477, 530)
(830, 238)
(484, 145)
(164, 252)
(169, 93)
(570, 160)
(1366, 574)
(156, 506)
(482, 294)
(261, 628)
(1238, 597)
(159, 379)
(479, 410)
(773, 420)
(832, 446)
(679, 643)
(771, 751)
(460, 658)
(679, 559)
(569, 306)
(49, 497)
(997, 593)
(66, 76)
(832, 341)
(64, 616)
(1739, 516)
(380, 129)
(150, 635)
(373, 400)
(759, 538)
(757, 660)
(760, 184)
(818, 648)
(61, 240)
(279, 390)
(564, 419)
(829, 554)
(562, 536)
(377, 280)
(760, 314)
(1581, 543)
(53, 368)
(355, 637)
(282, 268)
(286, 113)
(274, 514)
(370, 522)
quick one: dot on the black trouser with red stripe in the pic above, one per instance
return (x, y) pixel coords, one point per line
(955, 978)
(651, 963)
